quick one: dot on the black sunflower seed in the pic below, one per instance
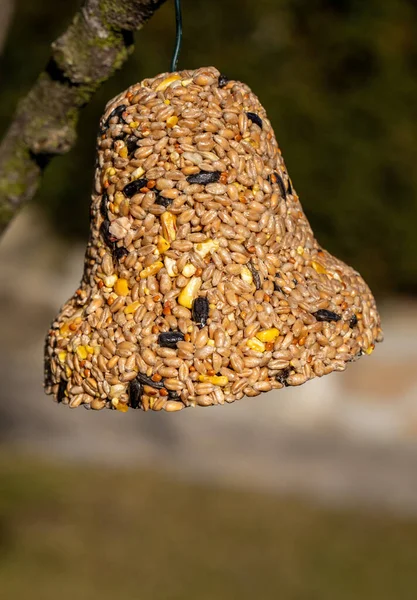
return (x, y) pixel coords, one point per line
(255, 119)
(279, 181)
(326, 315)
(353, 321)
(282, 375)
(145, 380)
(131, 143)
(170, 339)
(61, 390)
(200, 311)
(135, 393)
(116, 112)
(134, 187)
(163, 201)
(278, 288)
(106, 235)
(104, 205)
(223, 80)
(173, 395)
(255, 275)
(120, 252)
(204, 177)
(48, 372)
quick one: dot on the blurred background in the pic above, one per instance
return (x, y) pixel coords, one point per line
(302, 494)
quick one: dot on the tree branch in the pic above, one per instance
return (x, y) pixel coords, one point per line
(96, 44)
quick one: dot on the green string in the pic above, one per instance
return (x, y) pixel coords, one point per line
(178, 35)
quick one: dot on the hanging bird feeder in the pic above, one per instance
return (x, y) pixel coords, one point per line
(203, 281)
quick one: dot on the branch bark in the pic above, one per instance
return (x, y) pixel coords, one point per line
(95, 45)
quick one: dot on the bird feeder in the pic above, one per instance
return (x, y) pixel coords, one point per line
(203, 281)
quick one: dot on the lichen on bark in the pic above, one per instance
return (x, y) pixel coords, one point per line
(96, 44)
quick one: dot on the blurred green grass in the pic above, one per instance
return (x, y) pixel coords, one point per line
(98, 533)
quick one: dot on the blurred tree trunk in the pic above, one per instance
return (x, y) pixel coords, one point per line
(95, 45)
(6, 13)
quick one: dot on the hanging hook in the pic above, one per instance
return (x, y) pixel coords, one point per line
(178, 35)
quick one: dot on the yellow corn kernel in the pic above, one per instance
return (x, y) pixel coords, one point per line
(171, 266)
(121, 406)
(162, 245)
(370, 349)
(123, 152)
(133, 124)
(255, 344)
(110, 280)
(172, 121)
(246, 275)
(169, 226)
(62, 356)
(215, 379)
(81, 352)
(211, 343)
(131, 308)
(204, 248)
(186, 82)
(68, 373)
(167, 102)
(300, 250)
(118, 198)
(189, 292)
(318, 267)
(64, 329)
(189, 270)
(167, 82)
(121, 287)
(137, 173)
(268, 335)
(110, 172)
(151, 270)
(90, 349)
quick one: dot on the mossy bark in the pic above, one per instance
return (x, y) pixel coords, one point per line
(96, 44)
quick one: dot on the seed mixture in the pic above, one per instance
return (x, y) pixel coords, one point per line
(203, 281)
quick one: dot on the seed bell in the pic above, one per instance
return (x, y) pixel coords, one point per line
(203, 281)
